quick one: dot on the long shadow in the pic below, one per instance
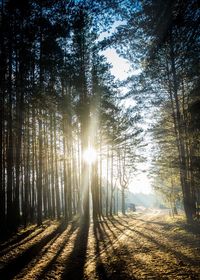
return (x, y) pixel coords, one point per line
(99, 235)
(49, 266)
(193, 227)
(116, 268)
(126, 251)
(184, 260)
(122, 231)
(15, 239)
(74, 266)
(106, 224)
(164, 247)
(14, 244)
(162, 224)
(16, 265)
(120, 266)
(181, 239)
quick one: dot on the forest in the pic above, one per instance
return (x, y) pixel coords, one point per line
(73, 137)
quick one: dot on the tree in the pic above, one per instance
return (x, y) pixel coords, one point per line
(164, 37)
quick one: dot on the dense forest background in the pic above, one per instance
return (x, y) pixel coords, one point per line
(58, 99)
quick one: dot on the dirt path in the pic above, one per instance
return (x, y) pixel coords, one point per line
(141, 246)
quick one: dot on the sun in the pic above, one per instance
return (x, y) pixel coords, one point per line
(90, 155)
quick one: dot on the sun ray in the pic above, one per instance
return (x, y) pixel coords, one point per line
(90, 155)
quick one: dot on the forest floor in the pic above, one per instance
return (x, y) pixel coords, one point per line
(147, 245)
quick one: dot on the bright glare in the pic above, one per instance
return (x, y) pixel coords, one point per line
(140, 184)
(120, 66)
(90, 155)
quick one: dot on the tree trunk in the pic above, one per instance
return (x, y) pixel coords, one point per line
(40, 175)
(188, 202)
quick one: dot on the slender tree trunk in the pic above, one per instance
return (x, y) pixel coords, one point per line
(188, 202)
(52, 168)
(56, 173)
(111, 182)
(2, 132)
(100, 175)
(40, 175)
(10, 147)
(33, 167)
(123, 201)
(107, 182)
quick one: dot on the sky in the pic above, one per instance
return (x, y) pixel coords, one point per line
(121, 67)
(141, 182)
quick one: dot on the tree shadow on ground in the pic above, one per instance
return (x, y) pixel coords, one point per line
(100, 236)
(183, 258)
(10, 240)
(11, 269)
(49, 266)
(193, 227)
(190, 227)
(74, 266)
(113, 267)
(123, 254)
(22, 239)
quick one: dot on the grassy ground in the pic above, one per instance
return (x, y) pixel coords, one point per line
(140, 246)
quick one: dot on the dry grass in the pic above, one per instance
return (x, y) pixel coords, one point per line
(141, 246)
